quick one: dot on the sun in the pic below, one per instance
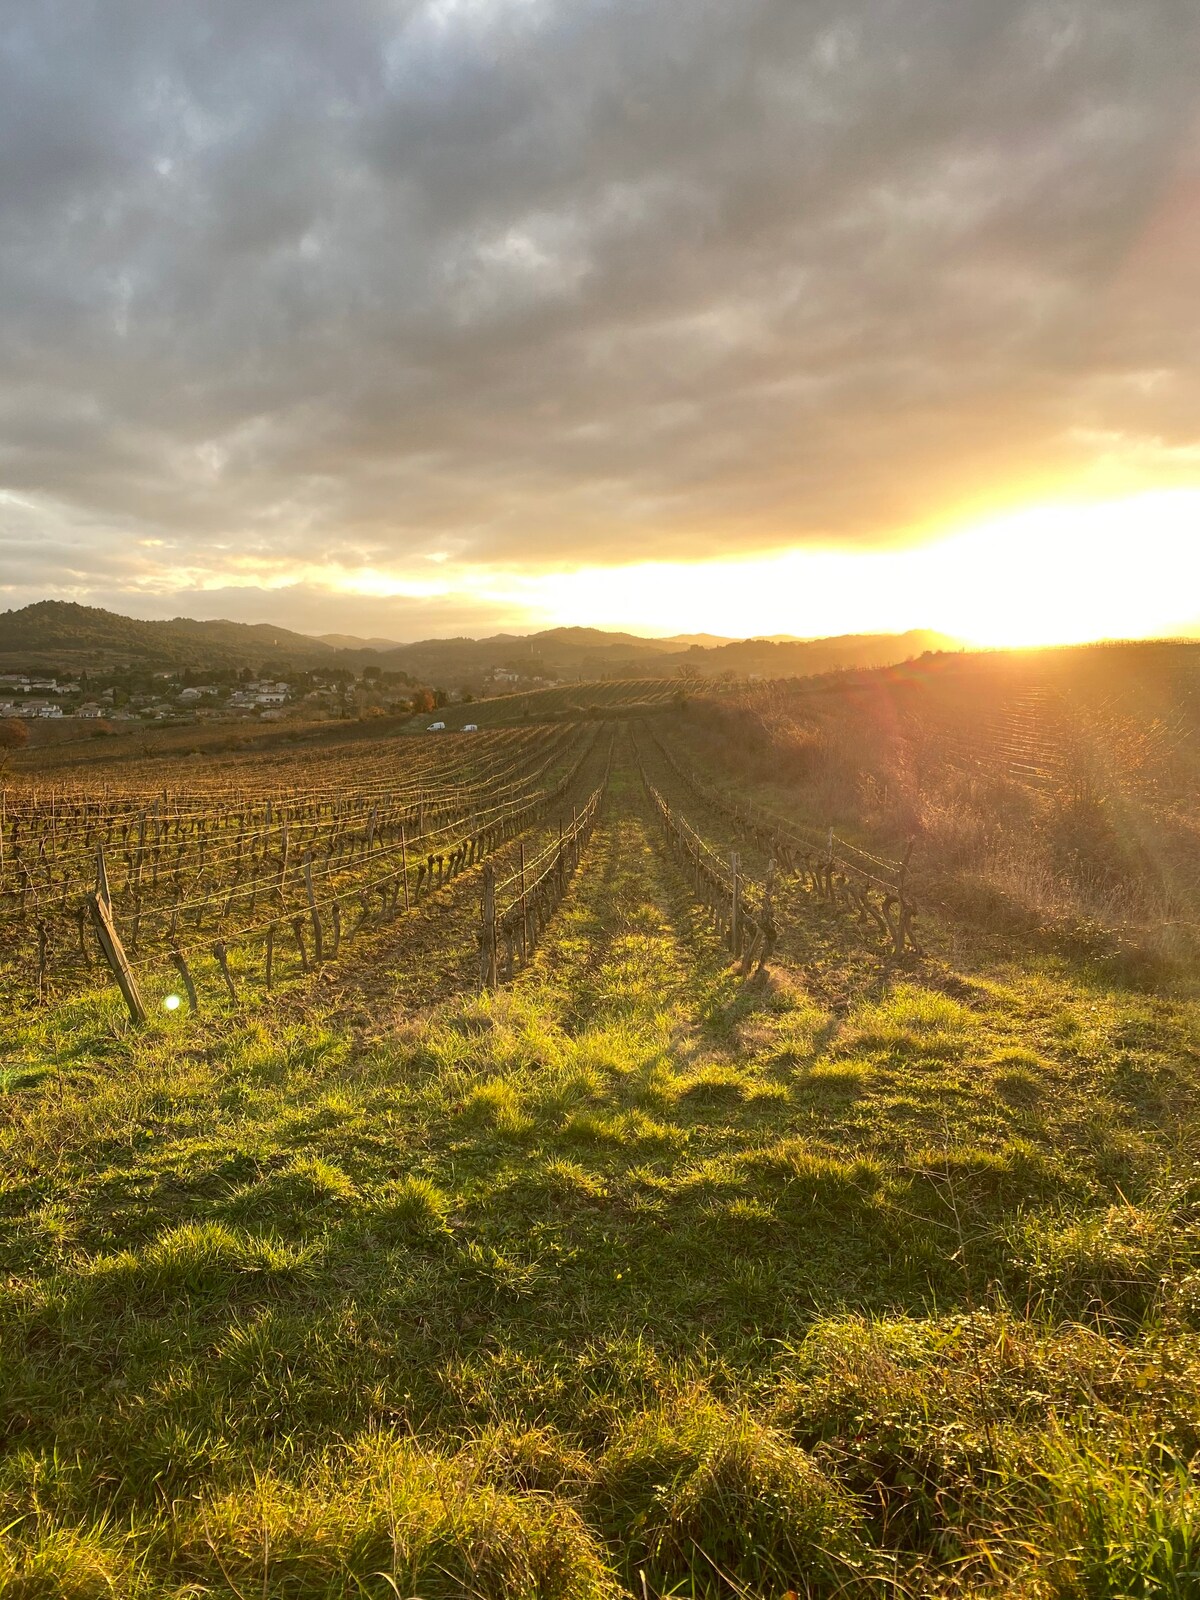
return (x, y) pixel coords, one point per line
(1070, 572)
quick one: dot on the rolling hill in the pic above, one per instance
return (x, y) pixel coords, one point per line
(56, 633)
(61, 633)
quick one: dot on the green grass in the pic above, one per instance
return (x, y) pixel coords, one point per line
(631, 1279)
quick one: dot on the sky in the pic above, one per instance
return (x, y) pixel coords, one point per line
(407, 319)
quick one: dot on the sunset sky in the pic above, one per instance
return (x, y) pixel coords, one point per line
(746, 316)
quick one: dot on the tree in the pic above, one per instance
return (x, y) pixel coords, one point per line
(423, 701)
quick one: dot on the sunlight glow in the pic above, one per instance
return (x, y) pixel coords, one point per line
(1054, 574)
(1061, 572)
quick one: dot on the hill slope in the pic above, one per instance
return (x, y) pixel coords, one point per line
(58, 633)
(61, 632)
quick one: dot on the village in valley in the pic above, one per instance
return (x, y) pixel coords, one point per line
(131, 695)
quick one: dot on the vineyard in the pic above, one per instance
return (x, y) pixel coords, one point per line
(235, 869)
(605, 698)
(1047, 789)
(596, 1158)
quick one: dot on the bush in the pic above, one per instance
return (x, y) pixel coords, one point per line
(691, 1489)
(14, 735)
(388, 1518)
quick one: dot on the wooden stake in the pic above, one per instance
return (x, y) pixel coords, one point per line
(114, 954)
(181, 967)
(404, 865)
(524, 908)
(318, 935)
(222, 956)
(487, 944)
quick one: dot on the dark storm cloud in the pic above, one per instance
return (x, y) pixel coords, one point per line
(536, 282)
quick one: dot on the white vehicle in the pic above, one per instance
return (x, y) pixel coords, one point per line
(436, 727)
(470, 727)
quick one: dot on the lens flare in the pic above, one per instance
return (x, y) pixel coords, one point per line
(172, 1003)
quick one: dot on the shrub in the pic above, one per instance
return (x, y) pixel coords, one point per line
(410, 1209)
(692, 1489)
(14, 735)
(421, 1523)
(200, 1260)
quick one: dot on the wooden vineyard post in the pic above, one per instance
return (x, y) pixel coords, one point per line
(184, 972)
(222, 956)
(829, 866)
(100, 907)
(735, 921)
(404, 864)
(487, 943)
(318, 933)
(524, 907)
(903, 909)
(298, 930)
(270, 957)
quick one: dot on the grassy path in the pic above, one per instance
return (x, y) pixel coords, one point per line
(628, 941)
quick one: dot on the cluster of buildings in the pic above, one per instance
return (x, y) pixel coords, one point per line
(501, 680)
(32, 692)
(127, 695)
(28, 696)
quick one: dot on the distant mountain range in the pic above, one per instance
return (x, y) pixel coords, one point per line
(57, 633)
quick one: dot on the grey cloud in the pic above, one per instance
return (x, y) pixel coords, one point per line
(570, 282)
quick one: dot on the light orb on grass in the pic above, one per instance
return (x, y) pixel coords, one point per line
(172, 1003)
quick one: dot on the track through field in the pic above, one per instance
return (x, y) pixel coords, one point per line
(629, 943)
